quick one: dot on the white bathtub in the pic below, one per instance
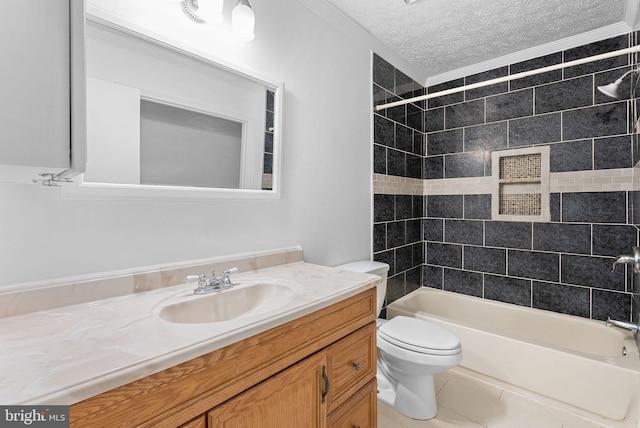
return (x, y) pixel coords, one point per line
(570, 359)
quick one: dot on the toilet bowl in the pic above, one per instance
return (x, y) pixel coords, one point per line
(410, 352)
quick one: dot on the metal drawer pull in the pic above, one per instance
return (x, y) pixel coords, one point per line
(325, 378)
(356, 366)
(356, 426)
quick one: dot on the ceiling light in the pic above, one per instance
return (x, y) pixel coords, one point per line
(243, 21)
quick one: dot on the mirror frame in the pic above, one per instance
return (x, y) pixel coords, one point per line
(115, 191)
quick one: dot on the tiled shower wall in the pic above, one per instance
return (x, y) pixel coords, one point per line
(563, 265)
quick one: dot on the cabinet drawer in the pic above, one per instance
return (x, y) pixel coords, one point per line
(358, 411)
(351, 364)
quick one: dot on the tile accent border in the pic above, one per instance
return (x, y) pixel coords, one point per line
(605, 180)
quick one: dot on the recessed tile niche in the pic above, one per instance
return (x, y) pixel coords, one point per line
(521, 185)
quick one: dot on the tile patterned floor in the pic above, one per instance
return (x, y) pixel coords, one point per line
(466, 399)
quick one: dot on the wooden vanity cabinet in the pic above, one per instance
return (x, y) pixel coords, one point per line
(315, 371)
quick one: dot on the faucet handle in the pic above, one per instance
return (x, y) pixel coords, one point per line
(225, 280)
(202, 280)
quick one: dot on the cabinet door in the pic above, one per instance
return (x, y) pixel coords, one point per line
(39, 57)
(359, 411)
(292, 398)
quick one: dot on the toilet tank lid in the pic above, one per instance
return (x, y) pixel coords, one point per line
(365, 266)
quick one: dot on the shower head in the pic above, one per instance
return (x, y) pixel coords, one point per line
(611, 90)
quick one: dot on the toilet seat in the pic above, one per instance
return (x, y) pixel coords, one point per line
(419, 336)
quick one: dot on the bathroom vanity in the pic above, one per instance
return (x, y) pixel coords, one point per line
(117, 362)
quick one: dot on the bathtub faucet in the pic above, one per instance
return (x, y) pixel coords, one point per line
(621, 324)
(634, 259)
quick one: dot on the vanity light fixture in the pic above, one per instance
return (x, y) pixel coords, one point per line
(243, 21)
(210, 12)
(203, 11)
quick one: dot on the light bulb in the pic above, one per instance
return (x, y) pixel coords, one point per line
(243, 21)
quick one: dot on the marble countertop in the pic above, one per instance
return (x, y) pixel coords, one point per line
(67, 354)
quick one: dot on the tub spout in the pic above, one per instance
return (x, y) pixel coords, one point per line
(621, 324)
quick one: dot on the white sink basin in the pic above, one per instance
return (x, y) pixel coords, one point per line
(219, 306)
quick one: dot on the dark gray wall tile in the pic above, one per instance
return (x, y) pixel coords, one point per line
(597, 121)
(535, 63)
(414, 166)
(571, 156)
(447, 206)
(469, 283)
(609, 304)
(508, 234)
(379, 237)
(562, 238)
(561, 298)
(445, 142)
(444, 255)
(432, 276)
(534, 265)
(404, 258)
(396, 163)
(614, 240)
(404, 138)
(383, 73)
(591, 272)
(554, 206)
(444, 100)
(383, 131)
(483, 259)
(535, 130)
(464, 114)
(469, 164)
(564, 95)
(434, 120)
(486, 90)
(464, 231)
(506, 289)
(404, 207)
(383, 207)
(379, 159)
(492, 136)
(395, 234)
(602, 46)
(594, 207)
(510, 105)
(613, 152)
(433, 167)
(477, 207)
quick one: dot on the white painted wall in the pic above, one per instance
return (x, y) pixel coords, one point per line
(325, 203)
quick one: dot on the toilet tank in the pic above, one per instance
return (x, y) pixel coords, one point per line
(373, 268)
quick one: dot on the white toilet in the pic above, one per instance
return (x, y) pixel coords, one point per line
(410, 352)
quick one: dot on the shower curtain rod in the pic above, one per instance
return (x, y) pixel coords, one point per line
(511, 77)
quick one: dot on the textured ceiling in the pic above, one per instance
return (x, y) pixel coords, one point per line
(439, 36)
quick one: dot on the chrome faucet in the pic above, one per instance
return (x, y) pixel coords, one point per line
(634, 260)
(206, 286)
(621, 324)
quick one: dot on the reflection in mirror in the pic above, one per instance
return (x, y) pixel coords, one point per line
(159, 116)
(181, 147)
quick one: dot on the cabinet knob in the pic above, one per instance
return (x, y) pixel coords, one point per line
(356, 426)
(356, 366)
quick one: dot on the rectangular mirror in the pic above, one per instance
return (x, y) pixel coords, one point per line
(165, 121)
